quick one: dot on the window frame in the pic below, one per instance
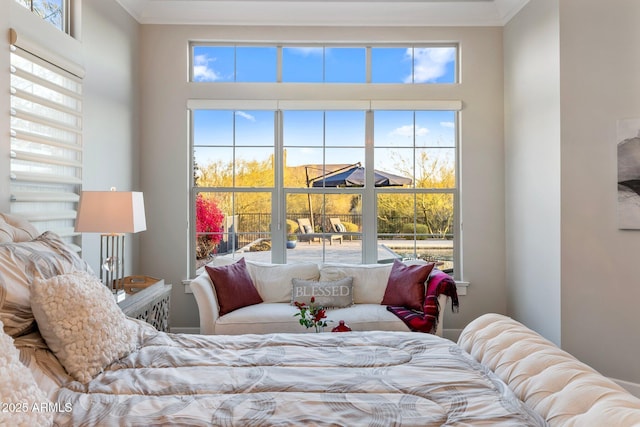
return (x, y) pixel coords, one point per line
(65, 18)
(368, 193)
(368, 62)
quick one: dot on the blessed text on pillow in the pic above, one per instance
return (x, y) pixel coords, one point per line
(332, 294)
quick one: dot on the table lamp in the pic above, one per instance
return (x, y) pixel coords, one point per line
(111, 213)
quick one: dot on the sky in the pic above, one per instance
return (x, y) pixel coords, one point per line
(342, 132)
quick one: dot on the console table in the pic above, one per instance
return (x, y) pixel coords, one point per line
(150, 304)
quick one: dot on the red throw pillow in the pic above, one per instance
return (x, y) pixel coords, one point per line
(234, 287)
(406, 285)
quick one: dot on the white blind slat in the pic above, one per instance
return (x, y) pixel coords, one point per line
(44, 139)
(40, 196)
(48, 216)
(44, 178)
(26, 75)
(45, 159)
(35, 118)
(45, 102)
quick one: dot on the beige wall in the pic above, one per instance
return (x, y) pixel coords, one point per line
(572, 71)
(532, 167)
(600, 84)
(164, 165)
(111, 110)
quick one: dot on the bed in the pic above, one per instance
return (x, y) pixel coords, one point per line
(76, 360)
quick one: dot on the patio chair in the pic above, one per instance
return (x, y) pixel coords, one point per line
(308, 234)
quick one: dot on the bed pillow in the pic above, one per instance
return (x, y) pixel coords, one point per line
(20, 264)
(369, 280)
(81, 323)
(406, 285)
(233, 286)
(335, 294)
(273, 281)
(19, 392)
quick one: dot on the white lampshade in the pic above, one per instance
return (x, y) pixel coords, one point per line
(111, 212)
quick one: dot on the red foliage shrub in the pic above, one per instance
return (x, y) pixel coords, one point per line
(209, 219)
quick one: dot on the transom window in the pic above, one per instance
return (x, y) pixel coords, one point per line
(324, 64)
(52, 11)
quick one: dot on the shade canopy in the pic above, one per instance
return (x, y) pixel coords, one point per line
(111, 212)
(354, 177)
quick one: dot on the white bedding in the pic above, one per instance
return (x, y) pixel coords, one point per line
(337, 379)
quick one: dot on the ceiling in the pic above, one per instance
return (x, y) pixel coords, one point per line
(325, 12)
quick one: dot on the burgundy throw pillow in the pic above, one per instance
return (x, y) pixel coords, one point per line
(234, 287)
(405, 286)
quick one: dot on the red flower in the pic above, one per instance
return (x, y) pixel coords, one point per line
(311, 315)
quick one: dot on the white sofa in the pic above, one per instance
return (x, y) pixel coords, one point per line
(276, 313)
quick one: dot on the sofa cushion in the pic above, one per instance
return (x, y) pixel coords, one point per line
(233, 285)
(268, 318)
(369, 280)
(405, 286)
(273, 281)
(79, 319)
(338, 293)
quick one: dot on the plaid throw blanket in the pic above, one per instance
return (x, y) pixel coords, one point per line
(427, 321)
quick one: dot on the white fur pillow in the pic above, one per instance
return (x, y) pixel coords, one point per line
(19, 393)
(81, 323)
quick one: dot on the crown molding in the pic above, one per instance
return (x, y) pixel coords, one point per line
(357, 13)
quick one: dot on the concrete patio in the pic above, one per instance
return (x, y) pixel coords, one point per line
(350, 251)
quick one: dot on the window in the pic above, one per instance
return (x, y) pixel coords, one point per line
(46, 143)
(351, 179)
(52, 11)
(420, 64)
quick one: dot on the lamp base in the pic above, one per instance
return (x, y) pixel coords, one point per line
(112, 261)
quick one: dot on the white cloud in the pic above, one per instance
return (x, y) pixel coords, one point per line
(246, 116)
(201, 70)
(407, 130)
(447, 124)
(306, 51)
(429, 63)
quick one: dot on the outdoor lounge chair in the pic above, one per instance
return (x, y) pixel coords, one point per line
(307, 233)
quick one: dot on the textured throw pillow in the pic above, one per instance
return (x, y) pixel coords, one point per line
(233, 286)
(336, 294)
(20, 264)
(79, 319)
(19, 393)
(406, 285)
(340, 228)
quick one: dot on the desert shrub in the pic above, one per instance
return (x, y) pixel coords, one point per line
(421, 230)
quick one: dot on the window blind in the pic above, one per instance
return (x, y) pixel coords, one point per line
(46, 143)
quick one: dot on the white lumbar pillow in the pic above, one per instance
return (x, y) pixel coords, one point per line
(79, 319)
